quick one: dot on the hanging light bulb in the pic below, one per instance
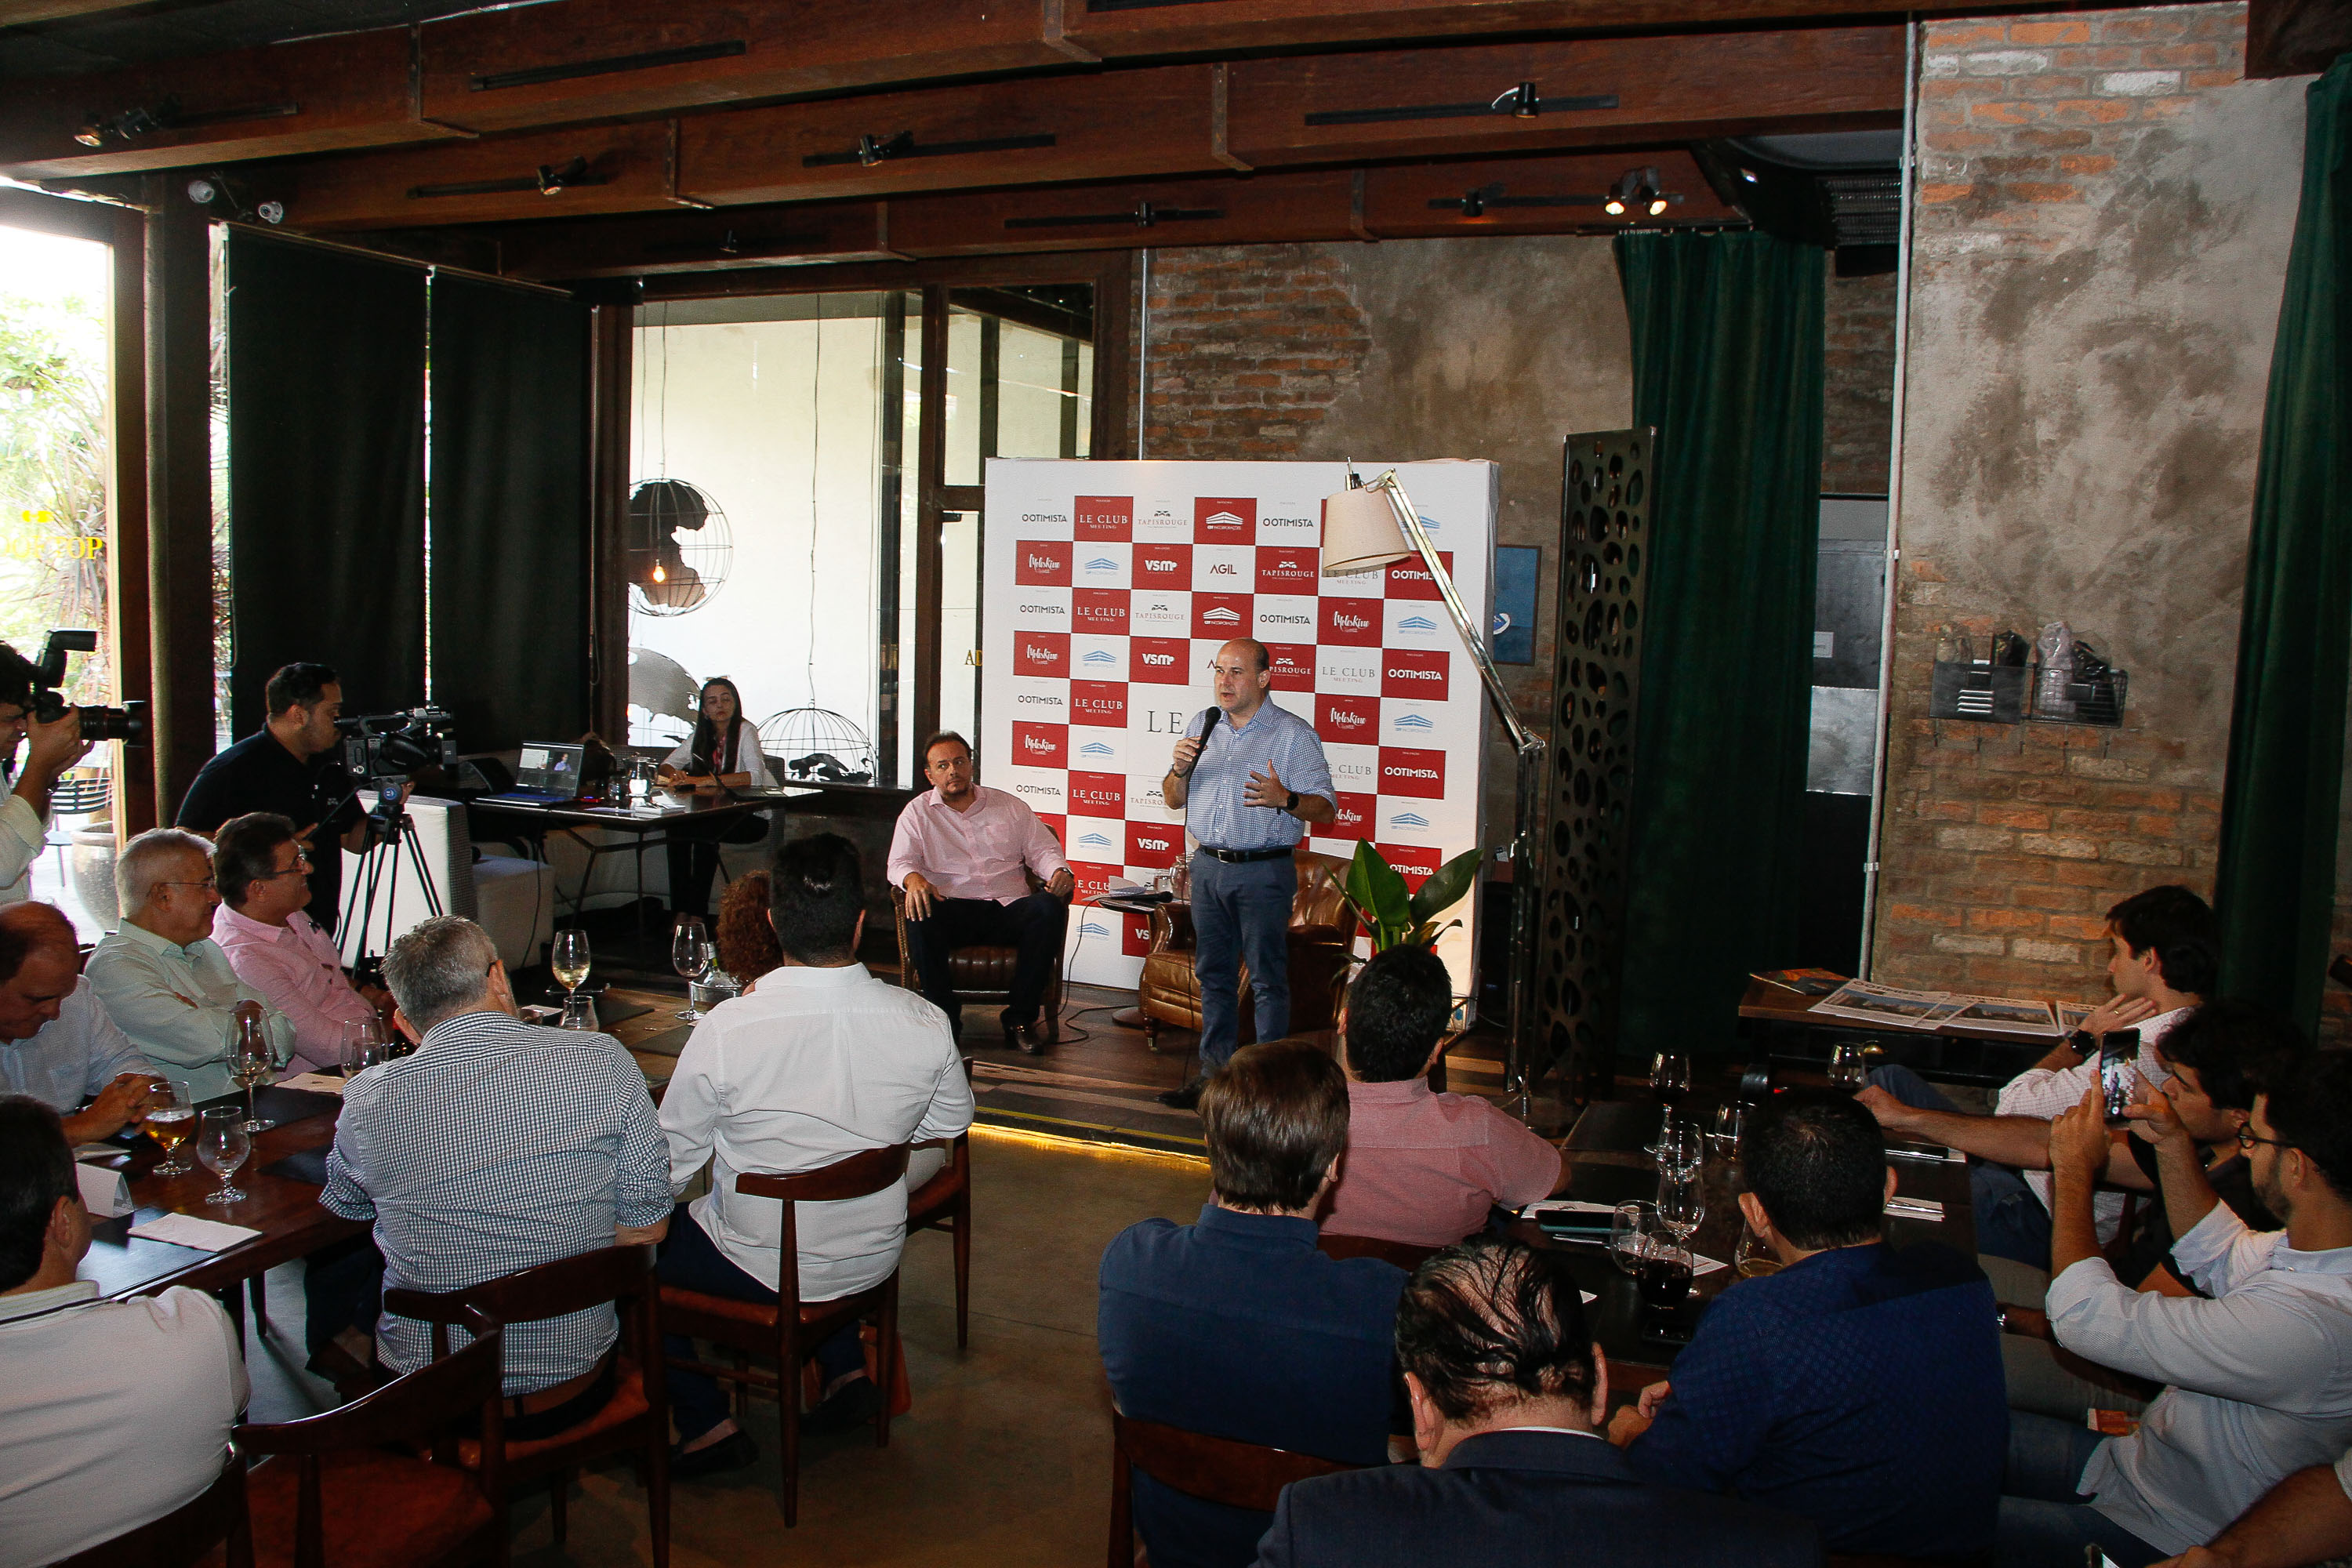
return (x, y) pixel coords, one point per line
(660, 575)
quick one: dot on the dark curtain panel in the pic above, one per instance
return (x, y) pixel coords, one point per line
(1728, 367)
(510, 530)
(325, 472)
(2276, 885)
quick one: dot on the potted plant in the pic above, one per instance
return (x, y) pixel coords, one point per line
(1376, 892)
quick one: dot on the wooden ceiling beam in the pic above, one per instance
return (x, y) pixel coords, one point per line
(1223, 209)
(320, 95)
(1535, 195)
(593, 169)
(652, 245)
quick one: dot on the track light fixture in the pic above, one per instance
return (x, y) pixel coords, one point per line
(127, 125)
(1636, 191)
(217, 189)
(554, 179)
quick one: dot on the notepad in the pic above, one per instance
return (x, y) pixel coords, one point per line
(187, 1230)
(316, 1083)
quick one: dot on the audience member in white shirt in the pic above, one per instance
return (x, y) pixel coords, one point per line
(2306, 1519)
(2164, 956)
(822, 1062)
(263, 872)
(57, 1043)
(111, 1412)
(2259, 1376)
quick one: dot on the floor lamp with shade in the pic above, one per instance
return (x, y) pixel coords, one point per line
(1367, 527)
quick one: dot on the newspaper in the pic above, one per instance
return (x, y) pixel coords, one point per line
(1889, 1004)
(2002, 1015)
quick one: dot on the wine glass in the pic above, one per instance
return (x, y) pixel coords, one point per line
(1681, 1202)
(1681, 1149)
(1670, 1078)
(362, 1045)
(578, 1013)
(690, 955)
(1730, 1122)
(1755, 1257)
(1849, 1071)
(568, 960)
(170, 1117)
(252, 1060)
(1627, 1225)
(222, 1144)
(1666, 1270)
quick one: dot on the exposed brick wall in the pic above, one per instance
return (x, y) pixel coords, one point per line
(2095, 289)
(1250, 346)
(1858, 384)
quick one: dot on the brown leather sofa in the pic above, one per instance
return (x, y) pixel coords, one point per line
(1322, 938)
(983, 974)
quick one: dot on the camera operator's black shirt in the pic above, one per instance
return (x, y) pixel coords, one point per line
(258, 773)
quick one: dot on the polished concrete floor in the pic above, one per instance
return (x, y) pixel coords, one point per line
(1004, 1458)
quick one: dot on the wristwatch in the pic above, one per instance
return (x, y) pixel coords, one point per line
(2082, 1042)
(1292, 807)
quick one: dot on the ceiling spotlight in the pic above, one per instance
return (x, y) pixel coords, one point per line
(554, 179)
(1524, 103)
(1636, 189)
(127, 125)
(202, 191)
(271, 213)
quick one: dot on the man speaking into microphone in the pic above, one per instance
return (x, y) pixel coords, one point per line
(1249, 784)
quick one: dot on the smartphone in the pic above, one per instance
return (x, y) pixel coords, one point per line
(2118, 1051)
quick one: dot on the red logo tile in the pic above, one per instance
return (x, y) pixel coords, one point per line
(1135, 935)
(1101, 703)
(1044, 654)
(1355, 818)
(1102, 610)
(1105, 518)
(1408, 770)
(1409, 578)
(1042, 563)
(1289, 569)
(1414, 672)
(1348, 623)
(1416, 863)
(1225, 519)
(1221, 616)
(1097, 795)
(1159, 661)
(1348, 720)
(1093, 880)
(1153, 843)
(1293, 664)
(1041, 745)
(1163, 568)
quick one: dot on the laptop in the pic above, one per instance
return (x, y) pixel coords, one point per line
(546, 774)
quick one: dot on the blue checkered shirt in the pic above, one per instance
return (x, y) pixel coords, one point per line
(1218, 814)
(499, 1145)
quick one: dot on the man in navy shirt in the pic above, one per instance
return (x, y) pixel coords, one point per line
(1237, 1326)
(1859, 1386)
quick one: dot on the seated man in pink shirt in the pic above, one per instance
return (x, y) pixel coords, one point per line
(1421, 1167)
(263, 873)
(963, 855)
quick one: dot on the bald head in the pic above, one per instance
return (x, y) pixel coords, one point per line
(1242, 675)
(28, 929)
(1247, 650)
(38, 968)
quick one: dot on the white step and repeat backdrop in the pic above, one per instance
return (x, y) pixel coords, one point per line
(1108, 587)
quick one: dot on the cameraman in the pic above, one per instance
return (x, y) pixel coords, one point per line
(289, 767)
(54, 748)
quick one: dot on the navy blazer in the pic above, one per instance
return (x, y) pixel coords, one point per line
(1528, 1496)
(1239, 1327)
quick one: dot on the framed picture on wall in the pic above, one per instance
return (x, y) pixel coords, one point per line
(1515, 602)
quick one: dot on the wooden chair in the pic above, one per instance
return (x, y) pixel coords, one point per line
(982, 973)
(1403, 1254)
(788, 1327)
(1322, 935)
(636, 1420)
(944, 1203)
(351, 1497)
(214, 1518)
(1221, 1470)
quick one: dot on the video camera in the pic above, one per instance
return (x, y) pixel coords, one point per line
(379, 747)
(127, 723)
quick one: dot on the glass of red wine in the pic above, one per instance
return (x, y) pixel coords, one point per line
(1670, 1078)
(1665, 1280)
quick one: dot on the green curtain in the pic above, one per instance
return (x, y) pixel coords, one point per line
(1727, 341)
(2276, 888)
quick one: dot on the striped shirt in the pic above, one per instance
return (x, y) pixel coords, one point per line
(1219, 815)
(497, 1146)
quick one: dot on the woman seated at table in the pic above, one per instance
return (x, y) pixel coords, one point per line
(724, 751)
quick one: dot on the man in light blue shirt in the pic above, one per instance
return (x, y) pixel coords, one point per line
(1249, 785)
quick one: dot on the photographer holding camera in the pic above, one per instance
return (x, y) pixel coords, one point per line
(50, 748)
(289, 767)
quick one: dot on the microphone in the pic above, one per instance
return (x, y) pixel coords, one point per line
(1208, 716)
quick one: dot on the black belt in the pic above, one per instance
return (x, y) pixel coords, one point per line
(1243, 856)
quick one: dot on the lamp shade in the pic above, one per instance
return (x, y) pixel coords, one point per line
(1360, 532)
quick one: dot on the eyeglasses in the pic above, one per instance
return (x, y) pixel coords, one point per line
(301, 867)
(2247, 1140)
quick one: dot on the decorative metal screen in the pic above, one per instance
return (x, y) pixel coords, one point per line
(1605, 497)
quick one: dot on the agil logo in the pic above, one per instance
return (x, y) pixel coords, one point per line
(1223, 569)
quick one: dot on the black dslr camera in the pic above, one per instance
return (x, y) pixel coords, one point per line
(381, 748)
(127, 723)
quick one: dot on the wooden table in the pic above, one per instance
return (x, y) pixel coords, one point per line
(1785, 1019)
(1607, 1164)
(575, 821)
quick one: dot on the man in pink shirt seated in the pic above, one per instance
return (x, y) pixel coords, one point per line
(263, 873)
(1421, 1167)
(963, 855)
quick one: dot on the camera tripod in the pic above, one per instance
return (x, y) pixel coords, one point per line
(389, 833)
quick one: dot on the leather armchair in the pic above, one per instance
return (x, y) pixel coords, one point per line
(1322, 943)
(983, 975)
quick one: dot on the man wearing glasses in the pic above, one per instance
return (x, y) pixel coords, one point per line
(1250, 785)
(163, 979)
(963, 857)
(275, 947)
(54, 748)
(2259, 1371)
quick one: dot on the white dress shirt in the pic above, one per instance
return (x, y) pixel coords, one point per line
(2260, 1377)
(67, 1061)
(749, 759)
(298, 970)
(814, 1066)
(176, 1004)
(111, 1413)
(2051, 1092)
(23, 837)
